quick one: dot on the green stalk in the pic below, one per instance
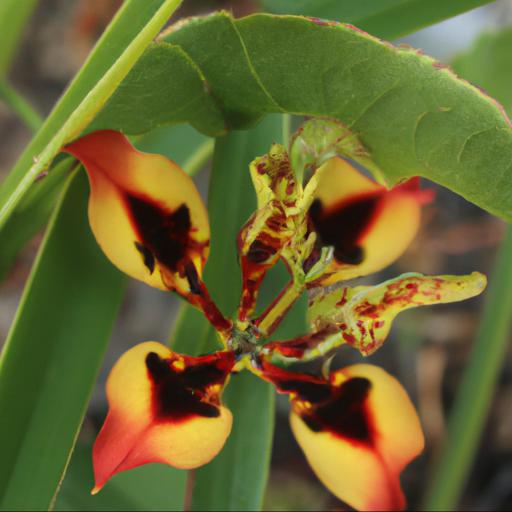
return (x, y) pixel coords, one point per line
(90, 105)
(476, 390)
(20, 106)
(198, 159)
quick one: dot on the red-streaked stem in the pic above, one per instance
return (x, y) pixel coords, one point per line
(270, 319)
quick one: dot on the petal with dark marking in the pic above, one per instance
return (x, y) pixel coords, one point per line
(144, 211)
(163, 407)
(263, 237)
(367, 225)
(360, 438)
(363, 315)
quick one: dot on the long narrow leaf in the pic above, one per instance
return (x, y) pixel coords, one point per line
(384, 18)
(476, 389)
(488, 64)
(236, 478)
(13, 17)
(32, 216)
(151, 487)
(53, 354)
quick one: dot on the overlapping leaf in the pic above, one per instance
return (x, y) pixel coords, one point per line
(413, 115)
(384, 18)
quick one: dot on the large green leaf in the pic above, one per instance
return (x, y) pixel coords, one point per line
(366, 13)
(414, 116)
(52, 355)
(236, 478)
(383, 18)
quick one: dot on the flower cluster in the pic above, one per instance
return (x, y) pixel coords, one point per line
(356, 425)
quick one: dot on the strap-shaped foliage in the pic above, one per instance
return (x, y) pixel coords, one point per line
(412, 114)
(384, 18)
(52, 355)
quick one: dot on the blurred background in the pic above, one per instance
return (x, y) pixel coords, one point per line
(427, 349)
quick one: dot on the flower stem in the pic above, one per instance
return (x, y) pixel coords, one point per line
(198, 159)
(272, 316)
(472, 404)
(20, 106)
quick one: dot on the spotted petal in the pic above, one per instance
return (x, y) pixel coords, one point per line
(368, 226)
(363, 315)
(145, 212)
(358, 431)
(270, 229)
(163, 407)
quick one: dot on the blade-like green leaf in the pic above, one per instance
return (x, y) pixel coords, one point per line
(384, 18)
(236, 478)
(133, 28)
(151, 487)
(13, 17)
(20, 106)
(52, 355)
(32, 215)
(414, 116)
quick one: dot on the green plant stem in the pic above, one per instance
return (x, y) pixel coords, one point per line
(20, 106)
(198, 159)
(476, 390)
(91, 104)
(272, 316)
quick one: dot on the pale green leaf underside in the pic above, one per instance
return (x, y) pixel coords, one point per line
(413, 115)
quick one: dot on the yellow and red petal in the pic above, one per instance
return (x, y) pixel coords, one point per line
(163, 407)
(145, 212)
(360, 438)
(363, 315)
(260, 243)
(368, 226)
(263, 237)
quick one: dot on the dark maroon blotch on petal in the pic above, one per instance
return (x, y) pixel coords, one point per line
(179, 395)
(164, 234)
(343, 225)
(346, 413)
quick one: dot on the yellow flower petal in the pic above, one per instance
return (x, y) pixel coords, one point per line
(271, 227)
(164, 407)
(364, 315)
(368, 226)
(359, 439)
(145, 212)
